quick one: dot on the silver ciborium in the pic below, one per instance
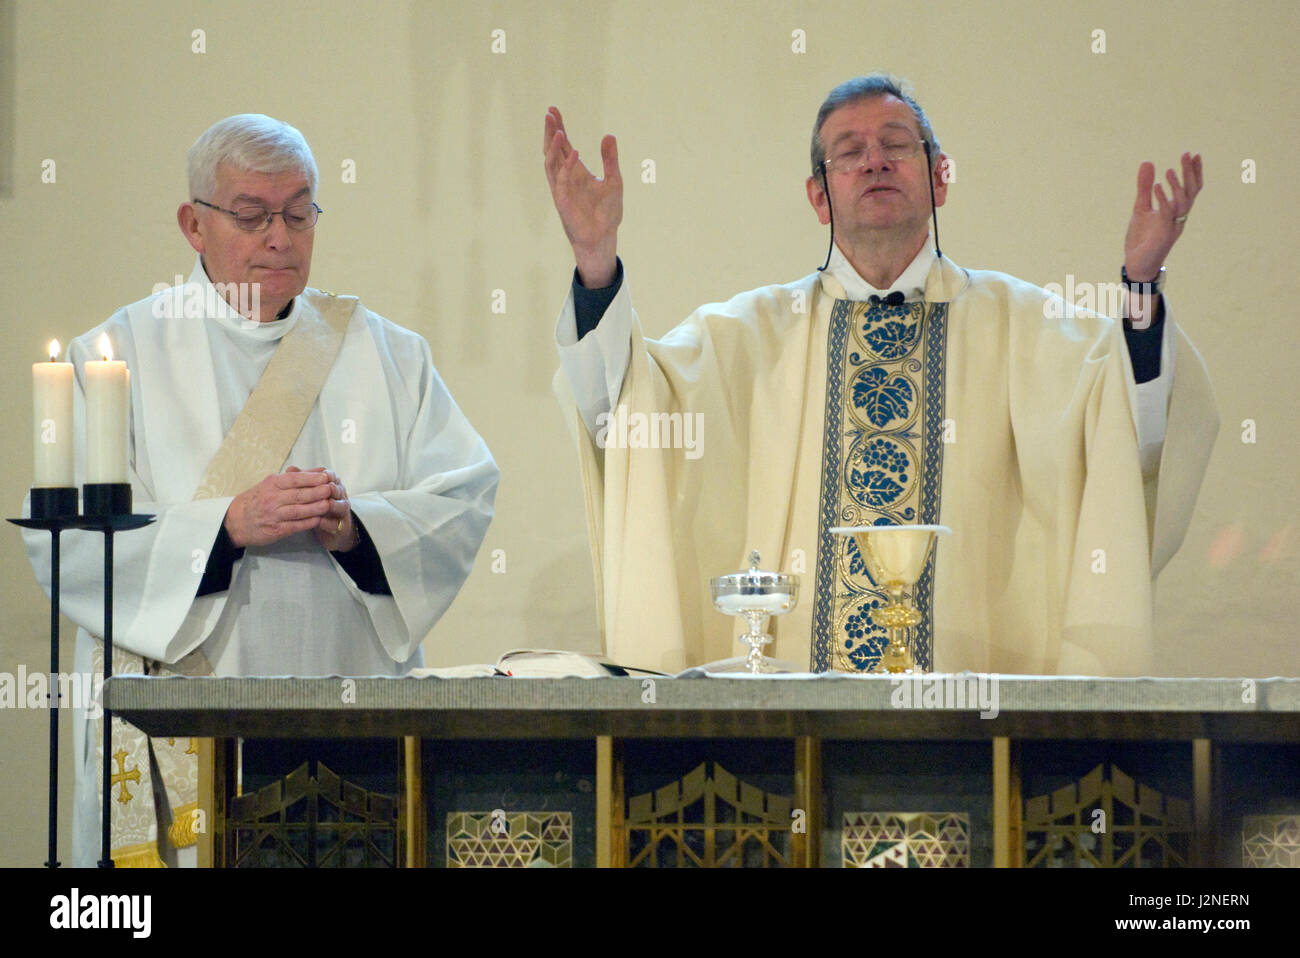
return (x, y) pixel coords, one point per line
(895, 556)
(755, 595)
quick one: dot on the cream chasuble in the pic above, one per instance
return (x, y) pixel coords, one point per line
(418, 476)
(973, 409)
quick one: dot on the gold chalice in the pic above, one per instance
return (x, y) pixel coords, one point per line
(895, 556)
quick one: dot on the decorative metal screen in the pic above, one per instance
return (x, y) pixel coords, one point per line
(1270, 841)
(325, 822)
(700, 821)
(905, 840)
(500, 839)
(1107, 823)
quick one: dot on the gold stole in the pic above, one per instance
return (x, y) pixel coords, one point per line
(257, 445)
(882, 461)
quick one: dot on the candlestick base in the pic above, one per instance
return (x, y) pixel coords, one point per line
(54, 502)
(106, 498)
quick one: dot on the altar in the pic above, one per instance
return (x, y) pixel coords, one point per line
(792, 771)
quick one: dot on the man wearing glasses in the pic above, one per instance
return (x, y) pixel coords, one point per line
(320, 496)
(890, 387)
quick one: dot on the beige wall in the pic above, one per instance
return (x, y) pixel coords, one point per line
(451, 203)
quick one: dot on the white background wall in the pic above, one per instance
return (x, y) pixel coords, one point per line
(450, 203)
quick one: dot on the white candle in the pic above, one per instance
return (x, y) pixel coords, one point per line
(52, 421)
(108, 392)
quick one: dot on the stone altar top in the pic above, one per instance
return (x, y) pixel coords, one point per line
(831, 706)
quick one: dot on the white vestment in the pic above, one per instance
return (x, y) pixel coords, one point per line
(418, 476)
(1057, 532)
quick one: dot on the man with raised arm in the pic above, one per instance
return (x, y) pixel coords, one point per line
(1064, 449)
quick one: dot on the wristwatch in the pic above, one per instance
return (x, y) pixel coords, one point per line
(1151, 287)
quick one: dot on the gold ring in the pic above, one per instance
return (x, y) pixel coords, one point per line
(340, 528)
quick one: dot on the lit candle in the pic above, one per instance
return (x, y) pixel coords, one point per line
(108, 391)
(52, 421)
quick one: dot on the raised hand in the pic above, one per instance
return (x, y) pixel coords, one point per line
(590, 207)
(1152, 232)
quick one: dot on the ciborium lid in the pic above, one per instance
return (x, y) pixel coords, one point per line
(754, 581)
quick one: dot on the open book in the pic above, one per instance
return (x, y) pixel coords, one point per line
(537, 664)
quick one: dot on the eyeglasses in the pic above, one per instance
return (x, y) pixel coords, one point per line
(859, 158)
(254, 219)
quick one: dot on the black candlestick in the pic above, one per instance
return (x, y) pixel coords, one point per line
(54, 502)
(108, 524)
(55, 703)
(46, 510)
(49, 513)
(105, 499)
(106, 824)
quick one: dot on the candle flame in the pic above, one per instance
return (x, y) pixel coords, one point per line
(54, 350)
(105, 347)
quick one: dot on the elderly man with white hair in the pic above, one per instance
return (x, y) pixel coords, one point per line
(320, 496)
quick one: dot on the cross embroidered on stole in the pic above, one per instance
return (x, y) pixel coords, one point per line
(882, 459)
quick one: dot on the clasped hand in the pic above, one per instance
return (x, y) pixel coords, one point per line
(293, 501)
